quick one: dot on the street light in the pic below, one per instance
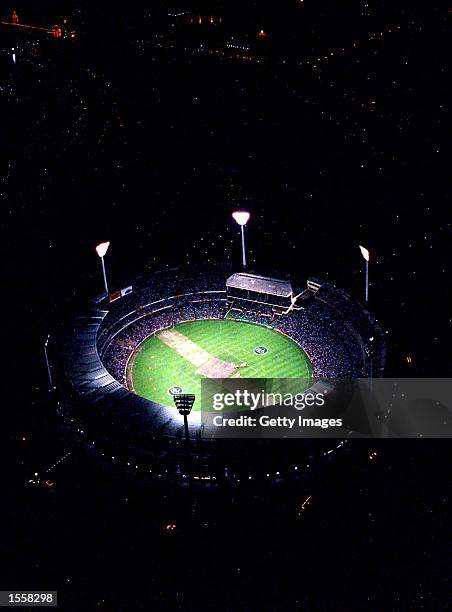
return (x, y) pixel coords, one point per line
(242, 218)
(184, 403)
(101, 250)
(365, 253)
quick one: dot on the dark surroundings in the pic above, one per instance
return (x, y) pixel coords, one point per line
(147, 130)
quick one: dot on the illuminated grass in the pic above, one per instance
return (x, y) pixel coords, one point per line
(155, 367)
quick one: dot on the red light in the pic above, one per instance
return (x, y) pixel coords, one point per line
(200, 20)
(262, 34)
(409, 360)
(170, 527)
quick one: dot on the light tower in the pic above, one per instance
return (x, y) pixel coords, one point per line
(365, 253)
(184, 403)
(101, 250)
(242, 218)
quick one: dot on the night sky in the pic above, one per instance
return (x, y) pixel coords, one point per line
(148, 129)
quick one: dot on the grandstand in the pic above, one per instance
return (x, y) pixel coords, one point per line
(258, 290)
(249, 295)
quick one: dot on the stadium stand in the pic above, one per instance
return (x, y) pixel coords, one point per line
(246, 288)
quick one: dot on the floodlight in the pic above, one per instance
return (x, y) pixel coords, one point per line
(102, 248)
(184, 403)
(366, 254)
(241, 217)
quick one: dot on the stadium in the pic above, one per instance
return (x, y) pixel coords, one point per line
(121, 361)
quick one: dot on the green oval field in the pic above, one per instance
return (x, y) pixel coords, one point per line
(176, 359)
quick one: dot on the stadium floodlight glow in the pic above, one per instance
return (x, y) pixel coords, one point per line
(366, 254)
(184, 403)
(242, 217)
(101, 250)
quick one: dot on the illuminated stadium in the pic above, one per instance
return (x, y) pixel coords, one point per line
(123, 359)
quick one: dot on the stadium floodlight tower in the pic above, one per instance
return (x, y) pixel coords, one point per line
(242, 218)
(184, 403)
(365, 253)
(101, 250)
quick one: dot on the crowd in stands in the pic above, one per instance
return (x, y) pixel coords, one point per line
(120, 345)
(332, 329)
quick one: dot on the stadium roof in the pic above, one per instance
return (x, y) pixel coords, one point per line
(260, 284)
